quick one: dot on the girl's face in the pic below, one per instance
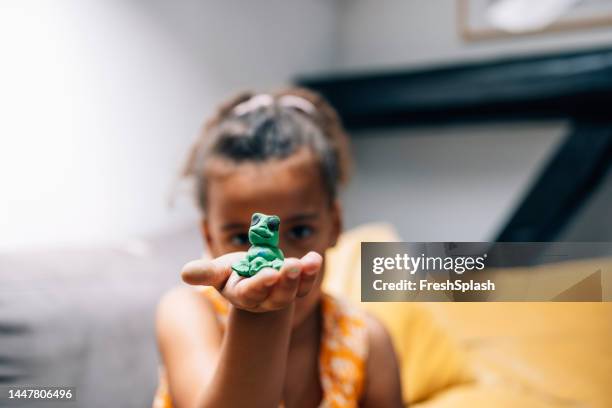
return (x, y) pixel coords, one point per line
(291, 188)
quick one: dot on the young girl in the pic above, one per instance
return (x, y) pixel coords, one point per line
(273, 339)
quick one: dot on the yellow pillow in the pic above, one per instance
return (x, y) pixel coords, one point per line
(429, 359)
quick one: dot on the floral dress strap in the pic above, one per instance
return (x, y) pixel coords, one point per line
(343, 354)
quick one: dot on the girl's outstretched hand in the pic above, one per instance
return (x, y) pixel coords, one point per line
(268, 290)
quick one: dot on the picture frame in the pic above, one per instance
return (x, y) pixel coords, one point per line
(473, 24)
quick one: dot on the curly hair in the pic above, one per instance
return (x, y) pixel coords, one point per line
(259, 127)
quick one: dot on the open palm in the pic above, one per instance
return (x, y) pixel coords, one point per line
(268, 290)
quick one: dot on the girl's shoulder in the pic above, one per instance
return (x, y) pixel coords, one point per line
(184, 311)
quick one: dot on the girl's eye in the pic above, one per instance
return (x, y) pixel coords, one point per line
(240, 239)
(300, 232)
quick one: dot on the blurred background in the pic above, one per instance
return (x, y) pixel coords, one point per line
(100, 101)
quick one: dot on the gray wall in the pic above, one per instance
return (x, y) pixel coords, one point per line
(447, 184)
(593, 221)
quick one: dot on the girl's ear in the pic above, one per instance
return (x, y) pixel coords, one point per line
(205, 232)
(336, 209)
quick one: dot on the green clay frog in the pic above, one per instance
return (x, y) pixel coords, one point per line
(264, 251)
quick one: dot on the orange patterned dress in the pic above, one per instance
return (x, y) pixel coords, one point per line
(342, 357)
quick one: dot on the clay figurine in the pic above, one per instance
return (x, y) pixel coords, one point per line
(264, 251)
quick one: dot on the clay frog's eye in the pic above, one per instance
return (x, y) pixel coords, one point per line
(255, 219)
(273, 224)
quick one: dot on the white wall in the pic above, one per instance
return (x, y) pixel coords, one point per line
(100, 100)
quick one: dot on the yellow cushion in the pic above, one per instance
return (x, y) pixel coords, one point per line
(536, 355)
(430, 361)
(554, 351)
(474, 396)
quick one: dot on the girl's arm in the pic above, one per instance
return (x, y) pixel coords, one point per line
(383, 386)
(247, 368)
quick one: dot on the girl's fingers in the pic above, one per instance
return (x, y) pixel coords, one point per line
(269, 289)
(311, 263)
(213, 272)
(253, 291)
(285, 289)
(311, 267)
